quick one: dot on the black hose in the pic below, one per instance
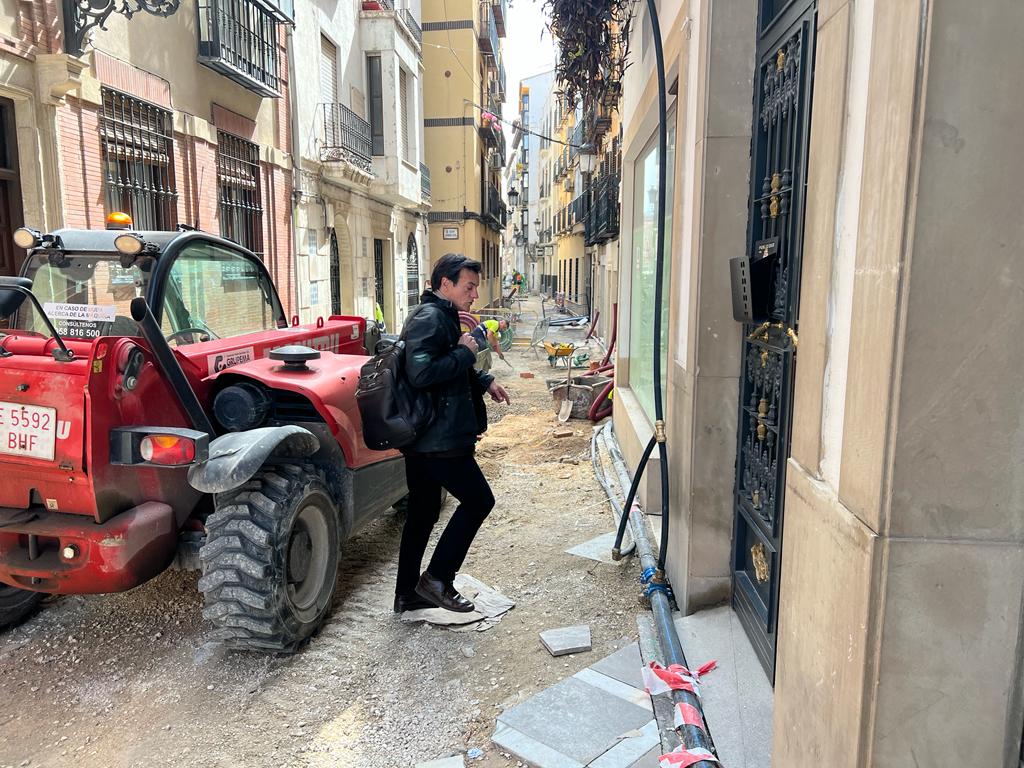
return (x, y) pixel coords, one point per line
(659, 290)
(630, 497)
(659, 275)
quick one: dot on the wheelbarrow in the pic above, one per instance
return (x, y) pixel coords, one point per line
(559, 352)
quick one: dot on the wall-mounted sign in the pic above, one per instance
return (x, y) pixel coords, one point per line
(450, 233)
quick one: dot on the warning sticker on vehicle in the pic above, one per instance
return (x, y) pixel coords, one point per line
(79, 320)
(222, 360)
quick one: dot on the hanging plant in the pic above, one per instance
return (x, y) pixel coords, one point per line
(593, 41)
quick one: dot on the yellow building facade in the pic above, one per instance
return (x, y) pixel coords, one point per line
(463, 89)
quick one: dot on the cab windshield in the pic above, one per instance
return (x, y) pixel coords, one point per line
(211, 292)
(85, 296)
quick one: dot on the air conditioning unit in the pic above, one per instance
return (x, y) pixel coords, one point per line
(496, 161)
(569, 183)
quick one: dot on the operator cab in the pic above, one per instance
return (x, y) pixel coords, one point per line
(200, 287)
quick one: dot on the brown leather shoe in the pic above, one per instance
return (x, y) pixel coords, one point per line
(442, 595)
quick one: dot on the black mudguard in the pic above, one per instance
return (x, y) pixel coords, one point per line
(237, 456)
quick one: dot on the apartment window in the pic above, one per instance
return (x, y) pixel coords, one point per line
(376, 90)
(138, 141)
(238, 184)
(645, 232)
(406, 117)
(238, 38)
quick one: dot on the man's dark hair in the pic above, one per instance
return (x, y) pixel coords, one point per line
(451, 265)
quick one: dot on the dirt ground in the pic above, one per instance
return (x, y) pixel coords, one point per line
(129, 680)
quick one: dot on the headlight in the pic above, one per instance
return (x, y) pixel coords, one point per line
(27, 238)
(129, 244)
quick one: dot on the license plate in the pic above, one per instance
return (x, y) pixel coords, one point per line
(28, 430)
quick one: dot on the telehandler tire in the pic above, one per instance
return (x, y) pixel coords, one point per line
(270, 560)
(16, 605)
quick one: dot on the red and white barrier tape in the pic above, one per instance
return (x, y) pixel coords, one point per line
(658, 679)
(682, 758)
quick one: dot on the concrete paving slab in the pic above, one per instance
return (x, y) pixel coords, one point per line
(615, 688)
(445, 762)
(628, 751)
(600, 549)
(650, 760)
(529, 750)
(737, 697)
(576, 719)
(623, 665)
(565, 640)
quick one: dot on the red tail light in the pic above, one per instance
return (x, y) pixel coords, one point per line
(158, 446)
(167, 449)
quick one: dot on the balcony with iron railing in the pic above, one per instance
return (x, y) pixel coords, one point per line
(602, 221)
(599, 119)
(238, 39)
(346, 138)
(488, 32)
(412, 25)
(403, 19)
(490, 125)
(494, 212)
(500, 11)
(424, 183)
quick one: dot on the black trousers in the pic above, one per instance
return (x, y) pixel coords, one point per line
(426, 476)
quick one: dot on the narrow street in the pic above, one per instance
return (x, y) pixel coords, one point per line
(128, 680)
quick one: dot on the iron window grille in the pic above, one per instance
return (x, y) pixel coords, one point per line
(238, 184)
(138, 140)
(238, 38)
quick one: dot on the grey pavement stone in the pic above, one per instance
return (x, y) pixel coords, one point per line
(628, 751)
(737, 697)
(600, 549)
(566, 640)
(445, 762)
(623, 665)
(529, 749)
(615, 688)
(576, 719)
(650, 760)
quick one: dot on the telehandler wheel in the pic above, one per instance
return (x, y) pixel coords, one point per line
(16, 605)
(270, 560)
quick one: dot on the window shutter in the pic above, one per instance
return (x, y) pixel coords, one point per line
(403, 86)
(328, 71)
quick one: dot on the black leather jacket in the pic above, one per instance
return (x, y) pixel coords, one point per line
(436, 362)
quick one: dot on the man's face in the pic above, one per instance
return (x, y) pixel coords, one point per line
(463, 293)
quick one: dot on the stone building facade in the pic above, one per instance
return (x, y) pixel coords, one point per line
(844, 444)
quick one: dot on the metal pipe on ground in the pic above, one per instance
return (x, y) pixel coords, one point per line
(602, 478)
(692, 736)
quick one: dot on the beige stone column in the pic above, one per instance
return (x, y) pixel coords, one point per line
(900, 619)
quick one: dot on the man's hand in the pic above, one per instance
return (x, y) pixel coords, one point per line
(498, 393)
(469, 343)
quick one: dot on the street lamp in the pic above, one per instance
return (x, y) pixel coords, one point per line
(588, 158)
(513, 196)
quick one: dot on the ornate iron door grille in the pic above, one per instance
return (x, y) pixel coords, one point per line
(412, 271)
(782, 100)
(335, 275)
(378, 272)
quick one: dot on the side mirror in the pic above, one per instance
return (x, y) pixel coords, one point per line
(11, 300)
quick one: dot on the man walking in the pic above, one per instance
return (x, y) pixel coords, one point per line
(439, 359)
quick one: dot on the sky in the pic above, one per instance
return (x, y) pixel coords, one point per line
(527, 51)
